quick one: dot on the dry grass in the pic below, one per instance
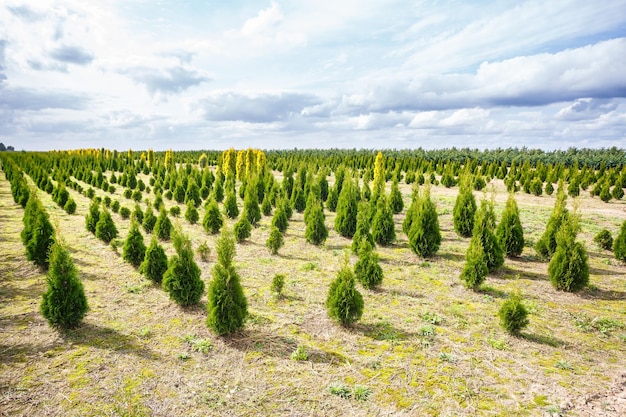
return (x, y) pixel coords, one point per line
(425, 345)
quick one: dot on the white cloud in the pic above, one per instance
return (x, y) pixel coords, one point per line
(586, 108)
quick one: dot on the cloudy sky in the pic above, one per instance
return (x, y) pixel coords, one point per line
(213, 74)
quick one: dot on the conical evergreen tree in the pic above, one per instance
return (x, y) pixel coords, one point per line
(193, 193)
(227, 307)
(345, 222)
(137, 214)
(410, 213)
(93, 216)
(212, 221)
(230, 205)
(42, 238)
(251, 207)
(344, 302)
(266, 206)
(134, 250)
(154, 263)
(163, 225)
(64, 303)
(149, 220)
(395, 198)
(484, 229)
(275, 241)
(316, 231)
(242, 229)
(464, 210)
(367, 270)
(546, 245)
(191, 213)
(475, 269)
(33, 206)
(425, 235)
(280, 217)
(105, 228)
(513, 314)
(509, 231)
(70, 206)
(298, 201)
(568, 269)
(619, 244)
(383, 227)
(333, 199)
(362, 227)
(182, 279)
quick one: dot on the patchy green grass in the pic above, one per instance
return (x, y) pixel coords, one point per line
(425, 345)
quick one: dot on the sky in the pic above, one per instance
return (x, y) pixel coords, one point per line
(283, 74)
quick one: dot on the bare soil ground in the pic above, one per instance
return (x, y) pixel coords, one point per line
(425, 345)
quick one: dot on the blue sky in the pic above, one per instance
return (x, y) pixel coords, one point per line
(282, 74)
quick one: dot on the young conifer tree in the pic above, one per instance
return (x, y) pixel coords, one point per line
(154, 263)
(569, 269)
(345, 221)
(275, 241)
(182, 279)
(105, 228)
(149, 220)
(251, 207)
(383, 227)
(134, 250)
(362, 227)
(316, 231)
(212, 221)
(93, 216)
(230, 205)
(510, 231)
(546, 245)
(410, 213)
(464, 209)
(484, 229)
(619, 244)
(191, 213)
(64, 303)
(395, 198)
(280, 220)
(38, 248)
(367, 270)
(344, 302)
(242, 229)
(163, 225)
(475, 269)
(227, 307)
(513, 314)
(425, 234)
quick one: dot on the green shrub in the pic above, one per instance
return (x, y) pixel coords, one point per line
(191, 213)
(546, 245)
(367, 270)
(64, 303)
(484, 229)
(125, 212)
(278, 282)
(115, 206)
(344, 302)
(619, 245)
(569, 269)
(509, 231)
(134, 250)
(175, 211)
(425, 234)
(345, 221)
(383, 227)
(464, 211)
(91, 220)
(513, 314)
(227, 307)
(230, 205)
(154, 264)
(280, 220)
(362, 227)
(242, 229)
(275, 241)
(204, 251)
(163, 225)
(604, 239)
(475, 269)
(316, 231)
(70, 206)
(149, 220)
(182, 279)
(395, 198)
(105, 228)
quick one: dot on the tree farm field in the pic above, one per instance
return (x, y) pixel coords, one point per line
(425, 345)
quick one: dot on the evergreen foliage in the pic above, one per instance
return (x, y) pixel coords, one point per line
(266, 206)
(251, 208)
(568, 269)
(280, 217)
(316, 231)
(275, 241)
(546, 245)
(105, 228)
(395, 198)
(362, 227)
(513, 314)
(425, 235)
(182, 279)
(383, 227)
(149, 220)
(619, 245)
(64, 303)
(344, 302)
(134, 250)
(298, 201)
(464, 210)
(242, 229)
(475, 269)
(163, 225)
(510, 231)
(227, 307)
(70, 206)
(230, 205)
(191, 213)
(604, 240)
(333, 199)
(484, 229)
(367, 270)
(154, 263)
(345, 221)
(38, 233)
(93, 216)
(212, 221)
